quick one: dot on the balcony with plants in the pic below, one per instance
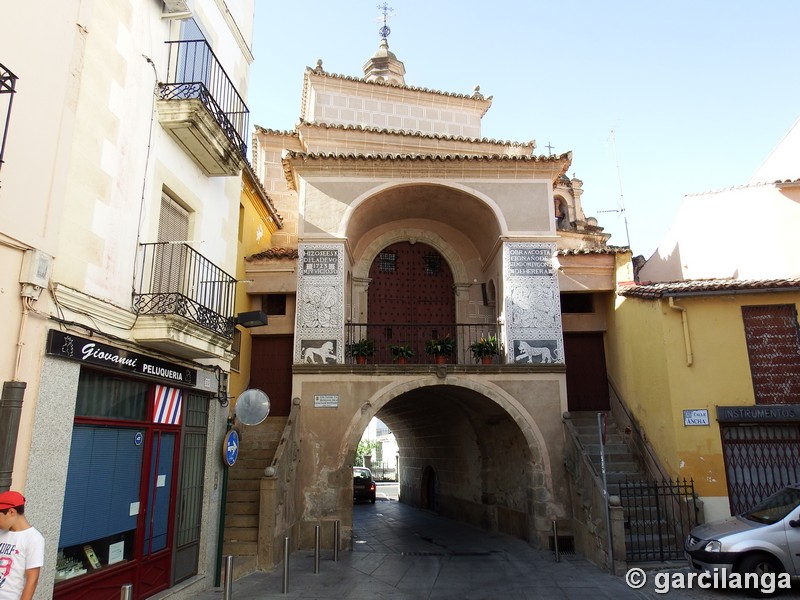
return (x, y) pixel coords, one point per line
(202, 110)
(418, 344)
(184, 302)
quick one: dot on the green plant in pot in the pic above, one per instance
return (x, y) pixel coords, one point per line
(401, 352)
(485, 349)
(440, 348)
(360, 350)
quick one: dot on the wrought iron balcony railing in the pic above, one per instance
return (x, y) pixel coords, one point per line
(416, 337)
(177, 280)
(8, 82)
(194, 73)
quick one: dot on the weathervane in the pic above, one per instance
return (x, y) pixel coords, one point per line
(384, 30)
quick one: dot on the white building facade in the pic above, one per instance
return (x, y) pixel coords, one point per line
(121, 180)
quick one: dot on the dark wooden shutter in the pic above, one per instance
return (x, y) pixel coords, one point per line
(271, 371)
(773, 345)
(587, 381)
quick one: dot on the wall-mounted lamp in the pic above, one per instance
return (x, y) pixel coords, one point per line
(254, 318)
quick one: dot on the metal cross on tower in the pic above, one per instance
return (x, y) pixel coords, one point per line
(549, 148)
(384, 30)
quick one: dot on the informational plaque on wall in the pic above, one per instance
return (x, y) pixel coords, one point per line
(532, 304)
(319, 323)
(326, 401)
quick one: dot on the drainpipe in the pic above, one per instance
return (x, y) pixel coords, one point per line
(686, 341)
(11, 409)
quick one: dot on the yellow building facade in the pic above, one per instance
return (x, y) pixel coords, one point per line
(708, 372)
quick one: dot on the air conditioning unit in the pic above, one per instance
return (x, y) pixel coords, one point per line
(176, 9)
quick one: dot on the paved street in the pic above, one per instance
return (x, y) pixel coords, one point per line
(410, 554)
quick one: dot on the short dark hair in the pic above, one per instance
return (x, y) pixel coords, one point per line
(20, 509)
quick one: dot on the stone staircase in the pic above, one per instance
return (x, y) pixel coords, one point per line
(647, 530)
(257, 446)
(621, 463)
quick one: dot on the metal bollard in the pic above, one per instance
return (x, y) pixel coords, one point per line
(316, 549)
(227, 593)
(285, 565)
(335, 541)
(555, 541)
(126, 592)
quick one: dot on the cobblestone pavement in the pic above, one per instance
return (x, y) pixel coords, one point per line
(404, 553)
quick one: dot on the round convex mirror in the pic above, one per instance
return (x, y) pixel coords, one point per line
(252, 407)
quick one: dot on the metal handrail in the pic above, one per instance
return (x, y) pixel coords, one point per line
(176, 279)
(195, 73)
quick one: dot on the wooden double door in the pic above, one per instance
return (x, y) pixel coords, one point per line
(411, 299)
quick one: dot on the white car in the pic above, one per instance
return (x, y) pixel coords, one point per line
(764, 539)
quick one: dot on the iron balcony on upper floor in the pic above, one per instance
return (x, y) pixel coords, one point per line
(200, 108)
(184, 303)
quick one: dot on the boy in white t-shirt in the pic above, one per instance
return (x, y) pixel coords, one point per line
(21, 550)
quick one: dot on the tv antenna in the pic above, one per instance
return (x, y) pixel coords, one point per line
(621, 208)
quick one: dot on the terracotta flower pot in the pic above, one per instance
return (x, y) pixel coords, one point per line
(486, 360)
(361, 360)
(401, 360)
(441, 360)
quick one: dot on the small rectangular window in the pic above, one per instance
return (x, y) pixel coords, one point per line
(388, 262)
(433, 264)
(273, 304)
(577, 303)
(108, 397)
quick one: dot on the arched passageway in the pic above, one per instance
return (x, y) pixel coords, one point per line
(464, 456)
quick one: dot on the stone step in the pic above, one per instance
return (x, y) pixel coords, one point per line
(615, 448)
(240, 548)
(242, 495)
(240, 534)
(241, 509)
(591, 437)
(616, 478)
(243, 485)
(244, 565)
(252, 459)
(241, 520)
(617, 465)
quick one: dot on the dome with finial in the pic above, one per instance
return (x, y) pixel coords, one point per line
(384, 66)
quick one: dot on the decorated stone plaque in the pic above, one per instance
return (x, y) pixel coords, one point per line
(532, 304)
(320, 304)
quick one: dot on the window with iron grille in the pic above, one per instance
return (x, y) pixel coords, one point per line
(433, 264)
(773, 345)
(387, 262)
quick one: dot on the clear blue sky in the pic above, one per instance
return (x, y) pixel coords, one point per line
(697, 92)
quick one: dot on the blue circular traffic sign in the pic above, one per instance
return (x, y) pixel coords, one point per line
(230, 447)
